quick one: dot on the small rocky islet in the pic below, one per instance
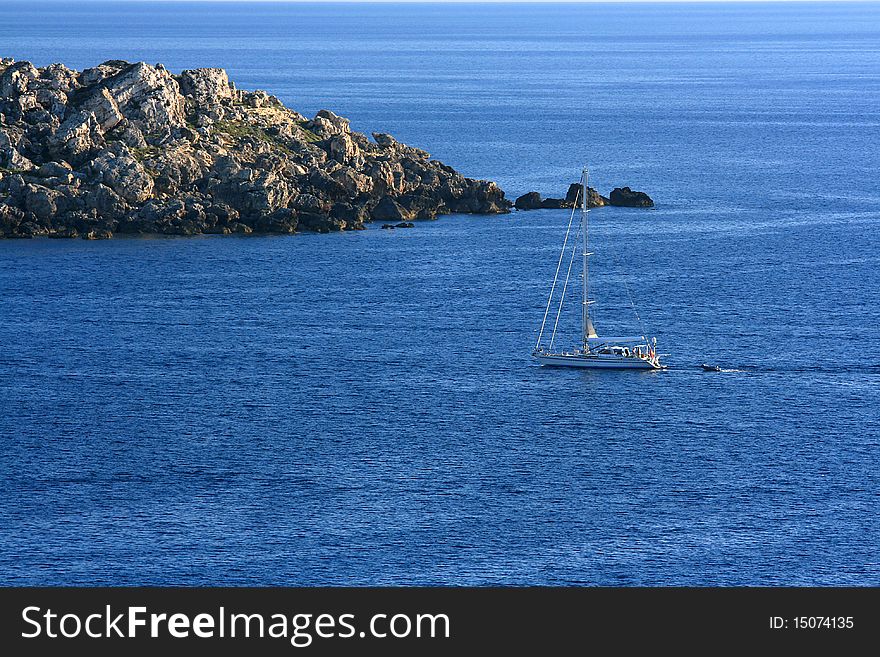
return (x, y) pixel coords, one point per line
(619, 196)
(130, 148)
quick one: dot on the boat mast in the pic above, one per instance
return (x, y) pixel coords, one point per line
(586, 309)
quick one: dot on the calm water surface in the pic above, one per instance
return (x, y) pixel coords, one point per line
(361, 408)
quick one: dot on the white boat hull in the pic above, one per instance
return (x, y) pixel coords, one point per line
(596, 361)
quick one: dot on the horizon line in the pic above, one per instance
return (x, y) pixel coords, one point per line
(462, 2)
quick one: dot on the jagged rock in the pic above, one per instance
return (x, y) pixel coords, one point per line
(343, 149)
(326, 186)
(477, 196)
(10, 218)
(321, 127)
(178, 169)
(26, 230)
(352, 182)
(10, 157)
(533, 200)
(101, 105)
(124, 175)
(16, 79)
(594, 199)
(258, 99)
(149, 97)
(53, 101)
(402, 224)
(41, 202)
(340, 124)
(104, 201)
(625, 197)
(68, 232)
(78, 136)
(390, 210)
(308, 203)
(130, 148)
(353, 216)
(130, 135)
(282, 221)
(27, 102)
(320, 223)
(555, 203)
(207, 87)
(419, 206)
(97, 235)
(387, 177)
(92, 76)
(384, 140)
(56, 172)
(57, 77)
(528, 201)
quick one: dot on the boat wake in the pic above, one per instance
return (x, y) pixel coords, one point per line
(853, 368)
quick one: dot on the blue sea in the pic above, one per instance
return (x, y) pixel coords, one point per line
(362, 409)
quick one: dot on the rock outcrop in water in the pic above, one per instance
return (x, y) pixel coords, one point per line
(132, 148)
(594, 198)
(620, 196)
(627, 198)
(533, 200)
(528, 201)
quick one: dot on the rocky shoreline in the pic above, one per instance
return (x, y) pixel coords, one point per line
(133, 148)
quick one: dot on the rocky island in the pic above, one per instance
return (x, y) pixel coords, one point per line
(133, 148)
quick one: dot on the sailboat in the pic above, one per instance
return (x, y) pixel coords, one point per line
(619, 353)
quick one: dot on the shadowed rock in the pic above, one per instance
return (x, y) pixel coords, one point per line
(533, 200)
(594, 198)
(555, 203)
(528, 201)
(625, 197)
